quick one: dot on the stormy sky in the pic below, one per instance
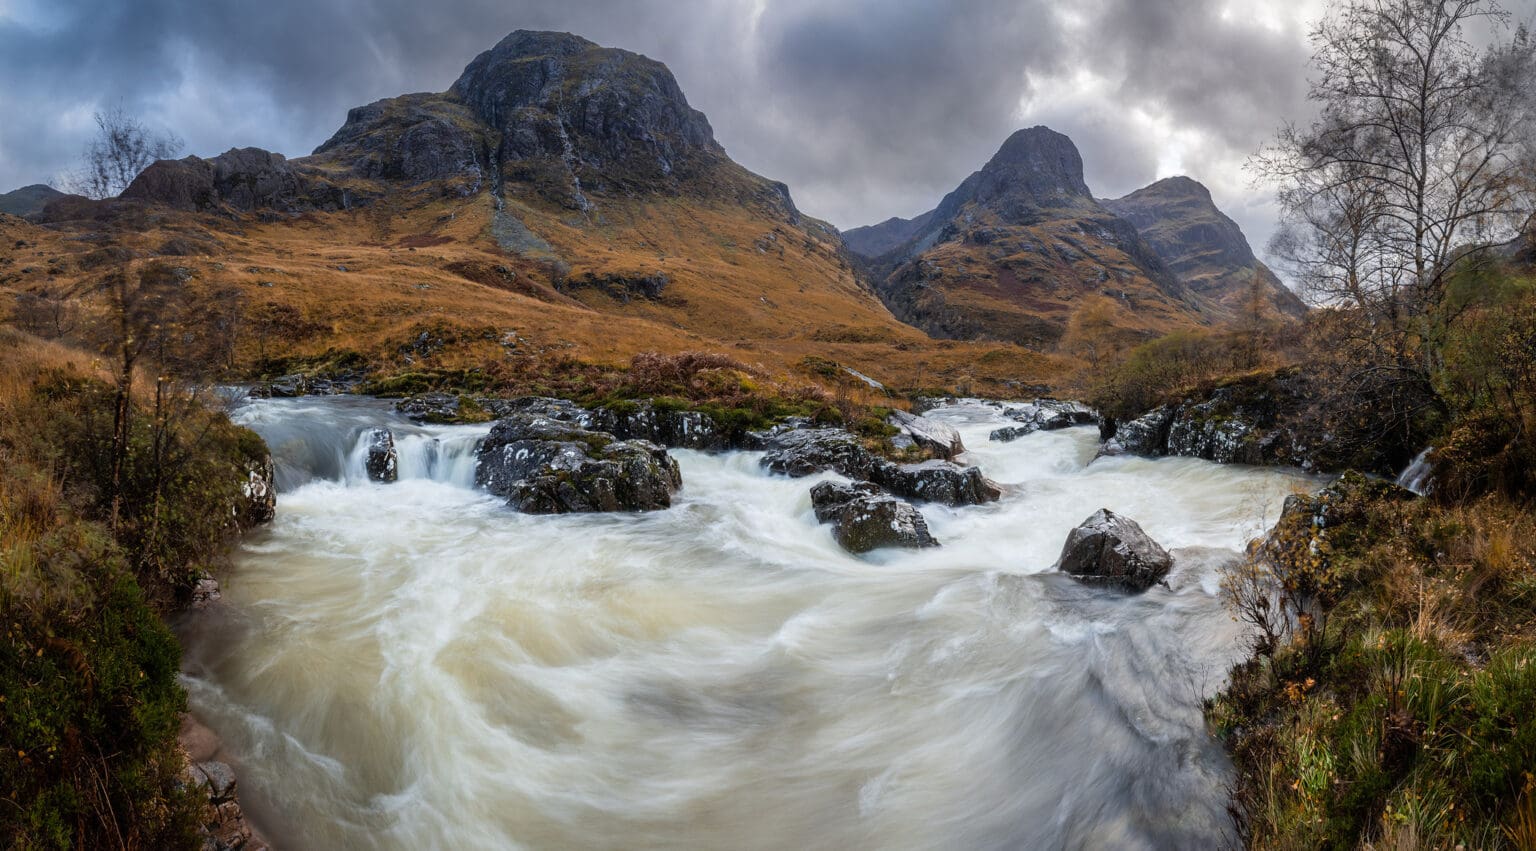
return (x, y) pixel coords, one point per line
(866, 108)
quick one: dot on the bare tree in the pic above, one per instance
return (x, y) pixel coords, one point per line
(121, 148)
(1418, 151)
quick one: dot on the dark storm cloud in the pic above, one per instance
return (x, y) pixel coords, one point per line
(867, 108)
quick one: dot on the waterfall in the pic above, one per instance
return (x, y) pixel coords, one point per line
(1417, 476)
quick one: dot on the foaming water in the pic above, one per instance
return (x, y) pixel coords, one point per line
(414, 665)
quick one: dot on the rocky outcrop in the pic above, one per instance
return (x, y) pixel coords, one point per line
(1301, 545)
(238, 180)
(865, 519)
(1043, 415)
(382, 462)
(804, 452)
(944, 482)
(1109, 549)
(668, 427)
(1146, 435)
(544, 466)
(1254, 420)
(223, 826)
(258, 493)
(416, 139)
(939, 438)
(574, 117)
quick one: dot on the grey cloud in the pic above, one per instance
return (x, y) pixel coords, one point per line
(866, 108)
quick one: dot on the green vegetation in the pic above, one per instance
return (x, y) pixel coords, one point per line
(89, 564)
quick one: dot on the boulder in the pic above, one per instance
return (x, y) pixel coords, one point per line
(382, 462)
(936, 481)
(1145, 435)
(864, 519)
(805, 452)
(258, 494)
(1112, 550)
(932, 435)
(1008, 434)
(544, 466)
(1301, 545)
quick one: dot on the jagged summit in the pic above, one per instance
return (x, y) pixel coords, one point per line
(1202, 245)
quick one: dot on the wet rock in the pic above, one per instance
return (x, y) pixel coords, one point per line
(1113, 550)
(668, 427)
(382, 462)
(936, 481)
(205, 593)
(1145, 435)
(805, 452)
(285, 387)
(258, 494)
(430, 407)
(1200, 432)
(939, 438)
(1008, 434)
(1051, 414)
(864, 519)
(544, 466)
(217, 777)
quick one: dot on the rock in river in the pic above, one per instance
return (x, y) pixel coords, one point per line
(382, 462)
(865, 519)
(1113, 550)
(544, 466)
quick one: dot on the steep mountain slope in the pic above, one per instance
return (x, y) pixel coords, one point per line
(560, 194)
(1019, 249)
(1203, 247)
(28, 200)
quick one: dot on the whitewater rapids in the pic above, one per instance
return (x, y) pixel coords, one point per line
(414, 665)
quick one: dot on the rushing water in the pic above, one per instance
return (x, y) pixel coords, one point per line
(416, 666)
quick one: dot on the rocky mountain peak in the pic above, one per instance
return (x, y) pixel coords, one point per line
(1036, 175)
(559, 97)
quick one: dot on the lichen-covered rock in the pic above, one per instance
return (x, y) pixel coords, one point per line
(666, 426)
(430, 407)
(1145, 435)
(864, 519)
(936, 481)
(937, 437)
(1113, 550)
(805, 452)
(544, 466)
(1301, 547)
(258, 493)
(1198, 431)
(382, 462)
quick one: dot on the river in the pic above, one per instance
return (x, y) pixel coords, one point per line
(413, 665)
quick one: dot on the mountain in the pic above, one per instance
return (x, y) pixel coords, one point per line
(1018, 251)
(1203, 247)
(561, 202)
(875, 240)
(28, 200)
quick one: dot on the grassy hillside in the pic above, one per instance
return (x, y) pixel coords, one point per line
(89, 701)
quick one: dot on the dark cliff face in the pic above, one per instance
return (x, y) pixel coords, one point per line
(550, 112)
(1203, 247)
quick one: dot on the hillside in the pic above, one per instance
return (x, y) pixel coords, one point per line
(1203, 247)
(560, 201)
(28, 200)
